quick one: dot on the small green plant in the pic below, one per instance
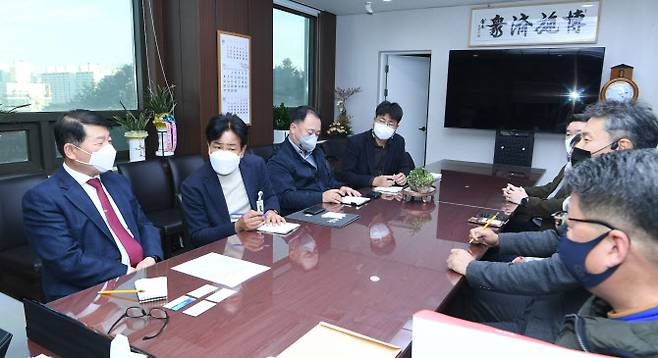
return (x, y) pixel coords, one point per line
(420, 180)
(160, 100)
(130, 122)
(281, 117)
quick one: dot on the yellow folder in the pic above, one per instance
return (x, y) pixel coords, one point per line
(327, 340)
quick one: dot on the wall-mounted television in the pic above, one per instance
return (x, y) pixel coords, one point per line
(534, 89)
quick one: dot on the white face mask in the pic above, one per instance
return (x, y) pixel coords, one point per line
(567, 143)
(102, 159)
(382, 131)
(224, 162)
(379, 231)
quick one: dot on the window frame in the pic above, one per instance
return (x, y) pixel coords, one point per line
(312, 51)
(41, 147)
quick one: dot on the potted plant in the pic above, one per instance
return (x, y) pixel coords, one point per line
(159, 104)
(281, 123)
(135, 132)
(420, 180)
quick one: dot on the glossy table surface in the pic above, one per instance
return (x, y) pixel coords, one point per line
(352, 277)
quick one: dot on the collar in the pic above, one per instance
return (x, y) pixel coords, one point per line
(621, 314)
(299, 150)
(80, 178)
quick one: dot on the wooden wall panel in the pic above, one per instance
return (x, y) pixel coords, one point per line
(187, 37)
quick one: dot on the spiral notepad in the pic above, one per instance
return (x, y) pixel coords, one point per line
(152, 289)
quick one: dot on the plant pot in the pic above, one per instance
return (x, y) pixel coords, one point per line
(421, 189)
(167, 134)
(280, 135)
(136, 146)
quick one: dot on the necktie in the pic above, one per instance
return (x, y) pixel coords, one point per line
(133, 248)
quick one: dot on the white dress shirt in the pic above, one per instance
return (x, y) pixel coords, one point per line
(82, 179)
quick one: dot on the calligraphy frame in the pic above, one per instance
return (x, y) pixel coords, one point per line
(221, 83)
(590, 22)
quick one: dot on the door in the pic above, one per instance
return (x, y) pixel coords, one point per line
(407, 80)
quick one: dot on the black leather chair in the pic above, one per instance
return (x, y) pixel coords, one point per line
(334, 150)
(183, 165)
(154, 190)
(264, 151)
(20, 268)
(5, 339)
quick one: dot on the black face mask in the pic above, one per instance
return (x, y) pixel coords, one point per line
(579, 155)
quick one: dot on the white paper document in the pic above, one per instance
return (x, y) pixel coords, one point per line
(221, 295)
(202, 291)
(280, 229)
(199, 308)
(221, 269)
(332, 215)
(355, 200)
(388, 189)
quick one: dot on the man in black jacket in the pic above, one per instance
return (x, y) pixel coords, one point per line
(377, 157)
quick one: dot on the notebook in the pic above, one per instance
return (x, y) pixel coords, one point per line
(153, 289)
(388, 190)
(281, 229)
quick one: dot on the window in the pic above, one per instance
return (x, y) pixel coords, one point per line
(293, 57)
(61, 55)
(14, 147)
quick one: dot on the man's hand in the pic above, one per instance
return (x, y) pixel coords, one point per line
(518, 260)
(346, 190)
(514, 194)
(272, 218)
(458, 260)
(249, 221)
(400, 179)
(333, 196)
(383, 180)
(149, 261)
(480, 235)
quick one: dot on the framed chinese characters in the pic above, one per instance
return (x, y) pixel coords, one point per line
(234, 72)
(558, 23)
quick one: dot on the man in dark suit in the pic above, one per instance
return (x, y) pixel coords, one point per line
(222, 197)
(377, 157)
(299, 171)
(84, 221)
(537, 203)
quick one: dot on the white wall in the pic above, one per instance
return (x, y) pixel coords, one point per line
(628, 29)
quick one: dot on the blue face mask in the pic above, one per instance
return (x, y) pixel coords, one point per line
(308, 142)
(573, 254)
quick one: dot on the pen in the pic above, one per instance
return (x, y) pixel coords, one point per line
(486, 225)
(241, 214)
(119, 291)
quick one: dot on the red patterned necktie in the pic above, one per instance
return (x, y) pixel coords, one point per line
(133, 248)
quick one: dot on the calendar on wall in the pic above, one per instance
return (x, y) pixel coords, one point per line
(234, 71)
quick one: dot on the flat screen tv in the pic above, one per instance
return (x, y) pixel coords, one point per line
(533, 89)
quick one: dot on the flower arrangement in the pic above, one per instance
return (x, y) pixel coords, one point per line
(341, 126)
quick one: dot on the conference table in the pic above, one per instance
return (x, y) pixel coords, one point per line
(343, 276)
